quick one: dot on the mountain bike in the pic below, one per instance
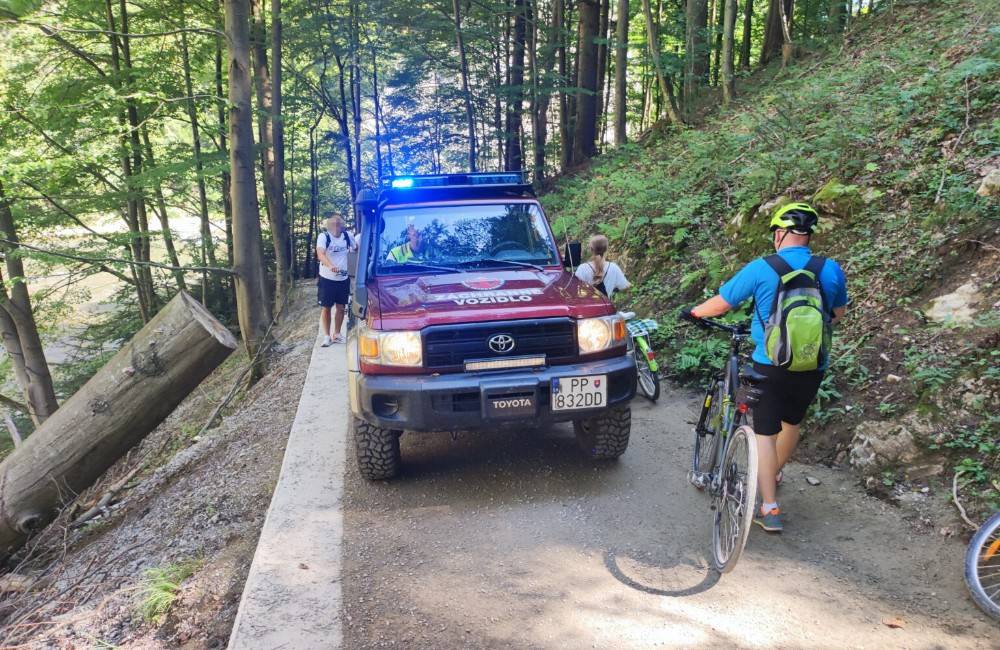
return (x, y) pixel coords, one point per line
(982, 566)
(725, 450)
(645, 360)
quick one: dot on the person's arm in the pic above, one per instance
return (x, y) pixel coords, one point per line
(840, 298)
(323, 259)
(714, 306)
(623, 283)
(838, 313)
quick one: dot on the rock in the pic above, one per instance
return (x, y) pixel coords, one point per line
(955, 307)
(991, 184)
(893, 379)
(880, 444)
(924, 471)
(839, 199)
(812, 480)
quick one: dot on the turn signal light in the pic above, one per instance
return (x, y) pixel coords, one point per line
(368, 346)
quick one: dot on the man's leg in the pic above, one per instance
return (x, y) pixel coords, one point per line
(324, 320)
(788, 440)
(767, 468)
(338, 320)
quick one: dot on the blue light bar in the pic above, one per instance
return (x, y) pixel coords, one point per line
(402, 183)
(455, 180)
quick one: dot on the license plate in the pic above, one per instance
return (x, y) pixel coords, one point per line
(574, 393)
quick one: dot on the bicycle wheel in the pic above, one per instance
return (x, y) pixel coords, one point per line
(982, 566)
(649, 382)
(706, 437)
(735, 502)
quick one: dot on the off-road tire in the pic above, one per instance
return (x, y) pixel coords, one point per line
(605, 436)
(377, 449)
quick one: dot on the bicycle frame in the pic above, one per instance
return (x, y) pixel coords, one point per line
(642, 343)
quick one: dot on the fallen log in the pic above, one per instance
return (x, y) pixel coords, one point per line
(107, 416)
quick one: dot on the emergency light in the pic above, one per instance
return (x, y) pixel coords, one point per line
(477, 179)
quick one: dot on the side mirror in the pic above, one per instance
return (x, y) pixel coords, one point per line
(572, 254)
(366, 202)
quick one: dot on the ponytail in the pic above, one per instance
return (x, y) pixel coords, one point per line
(598, 249)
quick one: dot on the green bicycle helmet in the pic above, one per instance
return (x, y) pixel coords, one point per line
(798, 217)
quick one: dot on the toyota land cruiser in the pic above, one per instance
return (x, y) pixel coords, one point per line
(464, 318)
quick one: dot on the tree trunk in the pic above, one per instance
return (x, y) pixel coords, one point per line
(559, 29)
(111, 413)
(666, 85)
(161, 213)
(470, 116)
(786, 32)
(728, 29)
(279, 207)
(720, 27)
(273, 187)
(515, 102)
(37, 388)
(747, 34)
(836, 17)
(774, 30)
(621, 69)
(602, 64)
(225, 177)
(696, 49)
(248, 257)
(585, 128)
(355, 95)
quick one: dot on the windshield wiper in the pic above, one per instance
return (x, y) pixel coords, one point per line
(493, 260)
(419, 266)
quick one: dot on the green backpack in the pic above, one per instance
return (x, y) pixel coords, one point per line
(798, 331)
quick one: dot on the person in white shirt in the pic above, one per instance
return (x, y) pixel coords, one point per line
(606, 277)
(334, 288)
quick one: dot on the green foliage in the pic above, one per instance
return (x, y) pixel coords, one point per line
(161, 587)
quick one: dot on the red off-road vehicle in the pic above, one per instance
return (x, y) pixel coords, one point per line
(464, 318)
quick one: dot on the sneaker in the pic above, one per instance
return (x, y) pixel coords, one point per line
(338, 338)
(327, 342)
(769, 521)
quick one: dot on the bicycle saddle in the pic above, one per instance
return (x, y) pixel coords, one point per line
(751, 376)
(627, 315)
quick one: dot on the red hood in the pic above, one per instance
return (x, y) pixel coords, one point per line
(413, 302)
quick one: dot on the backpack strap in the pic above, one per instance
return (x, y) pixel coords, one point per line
(779, 265)
(815, 265)
(328, 238)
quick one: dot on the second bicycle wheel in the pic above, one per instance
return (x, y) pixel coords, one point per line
(982, 566)
(734, 508)
(648, 381)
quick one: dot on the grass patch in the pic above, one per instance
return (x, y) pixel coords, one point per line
(161, 587)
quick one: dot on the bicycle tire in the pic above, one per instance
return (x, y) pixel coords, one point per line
(742, 447)
(648, 381)
(986, 539)
(711, 420)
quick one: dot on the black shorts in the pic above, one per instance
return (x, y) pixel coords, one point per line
(785, 397)
(332, 292)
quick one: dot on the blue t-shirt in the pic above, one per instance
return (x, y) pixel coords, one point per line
(759, 280)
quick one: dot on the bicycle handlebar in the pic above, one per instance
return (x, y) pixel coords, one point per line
(739, 329)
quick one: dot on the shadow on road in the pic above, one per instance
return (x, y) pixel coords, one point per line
(710, 579)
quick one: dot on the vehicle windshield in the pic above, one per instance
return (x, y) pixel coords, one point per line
(500, 235)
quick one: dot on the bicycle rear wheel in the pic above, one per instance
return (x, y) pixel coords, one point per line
(649, 382)
(706, 437)
(735, 502)
(982, 566)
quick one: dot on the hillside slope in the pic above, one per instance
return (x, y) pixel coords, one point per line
(890, 133)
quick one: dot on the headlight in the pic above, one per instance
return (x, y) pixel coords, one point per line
(596, 334)
(391, 348)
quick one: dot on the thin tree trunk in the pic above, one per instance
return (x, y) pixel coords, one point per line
(666, 85)
(621, 71)
(470, 116)
(836, 19)
(515, 102)
(774, 30)
(355, 77)
(276, 209)
(602, 63)
(377, 102)
(311, 261)
(161, 213)
(786, 32)
(277, 122)
(585, 127)
(729, 25)
(720, 27)
(559, 29)
(747, 34)
(345, 132)
(251, 282)
(39, 393)
(225, 178)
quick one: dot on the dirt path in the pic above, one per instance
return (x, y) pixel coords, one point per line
(515, 540)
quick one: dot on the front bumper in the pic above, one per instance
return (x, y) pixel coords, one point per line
(455, 401)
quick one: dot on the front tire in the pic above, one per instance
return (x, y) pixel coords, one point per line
(605, 436)
(736, 500)
(648, 381)
(982, 566)
(377, 450)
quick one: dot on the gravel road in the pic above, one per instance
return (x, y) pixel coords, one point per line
(515, 540)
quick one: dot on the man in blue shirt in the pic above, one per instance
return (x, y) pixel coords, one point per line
(785, 395)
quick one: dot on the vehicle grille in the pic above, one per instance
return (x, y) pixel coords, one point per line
(448, 347)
